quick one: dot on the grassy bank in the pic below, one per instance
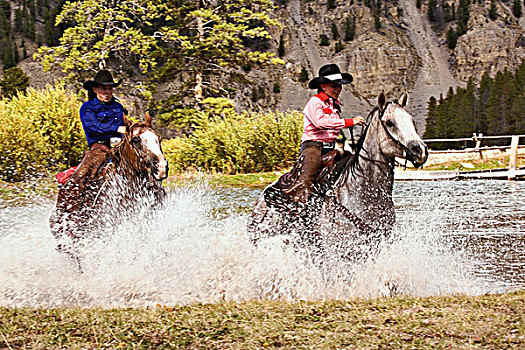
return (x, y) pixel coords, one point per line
(455, 322)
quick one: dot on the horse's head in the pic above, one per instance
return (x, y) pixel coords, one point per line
(398, 135)
(142, 149)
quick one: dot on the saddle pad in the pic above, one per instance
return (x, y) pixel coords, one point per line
(65, 175)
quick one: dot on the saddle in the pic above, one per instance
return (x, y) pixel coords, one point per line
(279, 194)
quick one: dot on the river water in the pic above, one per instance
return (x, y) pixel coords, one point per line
(453, 237)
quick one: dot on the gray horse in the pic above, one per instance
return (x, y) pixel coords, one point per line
(355, 213)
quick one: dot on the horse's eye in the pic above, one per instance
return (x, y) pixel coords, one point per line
(136, 141)
(389, 123)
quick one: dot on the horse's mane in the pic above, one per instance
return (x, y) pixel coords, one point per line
(351, 164)
(116, 152)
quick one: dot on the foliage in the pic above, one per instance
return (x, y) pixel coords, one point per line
(493, 10)
(496, 107)
(339, 47)
(280, 50)
(516, 8)
(165, 39)
(13, 80)
(303, 76)
(238, 143)
(40, 131)
(335, 31)
(324, 41)
(349, 28)
(452, 38)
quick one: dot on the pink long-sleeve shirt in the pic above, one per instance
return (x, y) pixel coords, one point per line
(321, 120)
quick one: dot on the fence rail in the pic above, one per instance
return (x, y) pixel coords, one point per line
(514, 145)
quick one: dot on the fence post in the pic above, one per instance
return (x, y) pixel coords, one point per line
(477, 138)
(513, 157)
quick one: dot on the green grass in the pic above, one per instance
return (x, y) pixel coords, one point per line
(443, 322)
(224, 180)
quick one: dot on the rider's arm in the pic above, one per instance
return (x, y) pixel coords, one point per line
(325, 117)
(100, 123)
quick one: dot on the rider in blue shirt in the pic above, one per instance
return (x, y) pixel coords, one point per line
(102, 118)
(102, 115)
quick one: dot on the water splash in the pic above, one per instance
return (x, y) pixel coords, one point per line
(196, 249)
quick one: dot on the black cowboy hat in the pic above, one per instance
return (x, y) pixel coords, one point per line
(330, 74)
(103, 78)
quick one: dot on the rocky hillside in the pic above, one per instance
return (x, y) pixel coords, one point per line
(395, 47)
(407, 52)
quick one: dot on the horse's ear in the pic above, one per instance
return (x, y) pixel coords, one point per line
(127, 122)
(404, 99)
(381, 101)
(148, 119)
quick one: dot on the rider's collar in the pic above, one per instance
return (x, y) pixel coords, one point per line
(324, 97)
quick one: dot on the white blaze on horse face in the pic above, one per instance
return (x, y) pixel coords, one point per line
(152, 143)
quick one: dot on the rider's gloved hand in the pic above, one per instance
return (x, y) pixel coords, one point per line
(358, 120)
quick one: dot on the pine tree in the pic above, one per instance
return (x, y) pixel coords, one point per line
(349, 28)
(280, 50)
(430, 122)
(324, 41)
(335, 32)
(484, 93)
(493, 10)
(452, 38)
(431, 9)
(516, 8)
(303, 76)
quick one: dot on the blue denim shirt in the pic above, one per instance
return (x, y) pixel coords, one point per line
(101, 120)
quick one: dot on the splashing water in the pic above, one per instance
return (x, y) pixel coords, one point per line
(195, 249)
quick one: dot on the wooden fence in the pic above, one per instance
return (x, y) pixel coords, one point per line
(478, 138)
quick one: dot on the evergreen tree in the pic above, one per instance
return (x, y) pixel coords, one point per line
(349, 28)
(493, 10)
(339, 47)
(335, 32)
(324, 40)
(452, 38)
(431, 9)
(484, 93)
(516, 8)
(303, 76)
(280, 50)
(463, 17)
(430, 123)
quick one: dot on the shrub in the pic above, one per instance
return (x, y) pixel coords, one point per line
(239, 143)
(40, 131)
(13, 80)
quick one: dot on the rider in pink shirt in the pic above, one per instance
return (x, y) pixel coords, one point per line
(322, 125)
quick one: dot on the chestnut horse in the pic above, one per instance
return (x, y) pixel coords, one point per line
(130, 180)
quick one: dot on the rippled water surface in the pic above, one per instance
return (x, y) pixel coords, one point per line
(454, 237)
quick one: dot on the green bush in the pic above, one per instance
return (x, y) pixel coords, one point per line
(13, 80)
(40, 132)
(239, 143)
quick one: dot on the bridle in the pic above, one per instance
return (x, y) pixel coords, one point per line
(389, 134)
